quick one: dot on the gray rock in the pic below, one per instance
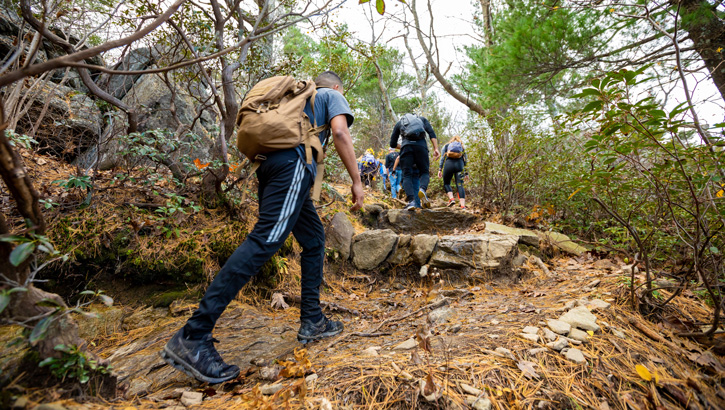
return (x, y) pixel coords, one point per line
(270, 389)
(72, 123)
(582, 318)
(605, 264)
(483, 251)
(531, 330)
(425, 220)
(402, 253)
(50, 406)
(440, 315)
(579, 335)
(504, 352)
(575, 355)
(371, 248)
(406, 345)
(598, 304)
(371, 351)
(562, 242)
(548, 334)
(20, 403)
(525, 236)
(423, 272)
(618, 333)
(191, 398)
(136, 60)
(529, 336)
(558, 345)
(422, 247)
(339, 234)
(478, 403)
(534, 352)
(373, 209)
(519, 260)
(471, 390)
(558, 326)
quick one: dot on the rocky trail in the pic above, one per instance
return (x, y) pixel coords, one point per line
(441, 310)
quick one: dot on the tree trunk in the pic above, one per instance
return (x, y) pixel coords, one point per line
(707, 32)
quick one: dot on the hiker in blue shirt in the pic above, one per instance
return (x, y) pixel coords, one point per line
(414, 151)
(369, 168)
(394, 176)
(285, 206)
(453, 162)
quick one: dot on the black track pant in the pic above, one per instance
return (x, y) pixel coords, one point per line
(284, 206)
(453, 167)
(414, 155)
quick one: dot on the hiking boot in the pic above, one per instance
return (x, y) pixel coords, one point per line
(198, 359)
(451, 202)
(410, 206)
(309, 332)
(423, 199)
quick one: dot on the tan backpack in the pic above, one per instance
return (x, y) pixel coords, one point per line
(272, 118)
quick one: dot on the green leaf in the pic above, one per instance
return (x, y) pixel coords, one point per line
(87, 292)
(13, 239)
(21, 253)
(592, 106)
(47, 361)
(4, 300)
(714, 250)
(40, 330)
(364, 1)
(47, 302)
(380, 5)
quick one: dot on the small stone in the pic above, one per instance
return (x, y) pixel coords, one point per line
(478, 403)
(531, 330)
(594, 283)
(529, 336)
(579, 335)
(371, 351)
(549, 335)
(503, 352)
(325, 404)
(471, 390)
(191, 398)
(455, 328)
(627, 269)
(558, 326)
(534, 352)
(269, 372)
(575, 355)
(407, 345)
(423, 272)
(311, 378)
(270, 389)
(582, 318)
(598, 304)
(618, 333)
(20, 403)
(494, 322)
(559, 345)
(440, 315)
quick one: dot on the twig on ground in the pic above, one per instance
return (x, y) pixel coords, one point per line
(540, 264)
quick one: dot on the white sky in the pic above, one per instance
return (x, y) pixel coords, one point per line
(454, 28)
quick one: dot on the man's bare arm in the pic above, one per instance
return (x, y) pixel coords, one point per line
(343, 145)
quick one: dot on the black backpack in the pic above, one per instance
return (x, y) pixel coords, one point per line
(412, 128)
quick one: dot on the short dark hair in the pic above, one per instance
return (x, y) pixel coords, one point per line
(328, 79)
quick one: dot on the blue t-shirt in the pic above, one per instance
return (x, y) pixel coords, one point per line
(328, 105)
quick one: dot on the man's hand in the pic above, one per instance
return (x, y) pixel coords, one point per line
(436, 154)
(358, 195)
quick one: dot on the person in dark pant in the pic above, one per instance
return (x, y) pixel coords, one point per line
(453, 162)
(414, 151)
(394, 175)
(285, 206)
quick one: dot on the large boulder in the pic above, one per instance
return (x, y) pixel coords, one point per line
(422, 247)
(425, 220)
(402, 253)
(371, 248)
(154, 99)
(136, 60)
(70, 123)
(526, 236)
(475, 251)
(562, 242)
(339, 234)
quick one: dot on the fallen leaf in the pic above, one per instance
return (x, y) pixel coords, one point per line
(643, 372)
(528, 369)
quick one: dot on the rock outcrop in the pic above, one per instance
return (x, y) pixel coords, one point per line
(339, 234)
(483, 251)
(371, 248)
(425, 220)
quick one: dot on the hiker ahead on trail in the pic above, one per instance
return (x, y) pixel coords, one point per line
(394, 176)
(453, 162)
(369, 168)
(414, 151)
(285, 178)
